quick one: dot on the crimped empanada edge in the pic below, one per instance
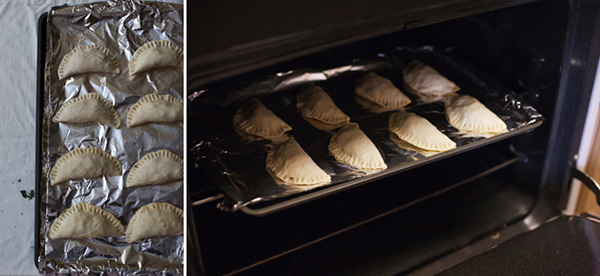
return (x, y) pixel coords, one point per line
(87, 207)
(278, 172)
(131, 227)
(78, 151)
(155, 43)
(93, 95)
(247, 127)
(150, 98)
(337, 151)
(65, 60)
(147, 157)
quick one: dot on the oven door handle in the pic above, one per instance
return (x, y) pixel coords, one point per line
(587, 181)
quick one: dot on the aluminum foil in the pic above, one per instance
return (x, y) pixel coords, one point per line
(238, 166)
(122, 27)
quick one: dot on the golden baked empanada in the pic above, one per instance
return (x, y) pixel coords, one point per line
(467, 114)
(416, 130)
(85, 220)
(155, 220)
(88, 59)
(88, 109)
(380, 91)
(153, 55)
(351, 146)
(159, 167)
(289, 163)
(256, 119)
(423, 79)
(88, 163)
(314, 103)
(155, 109)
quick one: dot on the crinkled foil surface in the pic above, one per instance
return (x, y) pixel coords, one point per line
(238, 166)
(122, 27)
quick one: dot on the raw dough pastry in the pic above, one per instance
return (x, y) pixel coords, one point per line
(467, 114)
(314, 103)
(372, 106)
(85, 220)
(155, 220)
(160, 167)
(417, 131)
(87, 110)
(323, 126)
(381, 91)
(88, 163)
(351, 146)
(426, 80)
(153, 55)
(408, 146)
(88, 59)
(158, 109)
(256, 119)
(289, 163)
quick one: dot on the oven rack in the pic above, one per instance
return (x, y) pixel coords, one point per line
(354, 209)
(273, 206)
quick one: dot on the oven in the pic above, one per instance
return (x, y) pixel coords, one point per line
(421, 219)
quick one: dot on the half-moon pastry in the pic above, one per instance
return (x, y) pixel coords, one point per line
(87, 110)
(84, 163)
(159, 167)
(351, 146)
(155, 109)
(314, 103)
(467, 114)
(408, 146)
(88, 59)
(423, 79)
(155, 220)
(85, 220)
(289, 163)
(256, 119)
(154, 55)
(417, 131)
(381, 91)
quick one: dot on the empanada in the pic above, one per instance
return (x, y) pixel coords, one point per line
(159, 167)
(408, 146)
(423, 79)
(289, 163)
(351, 146)
(467, 114)
(381, 91)
(88, 59)
(156, 109)
(153, 55)
(314, 103)
(256, 119)
(88, 163)
(85, 220)
(155, 220)
(416, 130)
(87, 110)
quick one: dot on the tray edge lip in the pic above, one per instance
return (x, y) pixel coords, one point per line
(41, 57)
(310, 196)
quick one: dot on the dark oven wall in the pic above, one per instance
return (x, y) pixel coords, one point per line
(406, 221)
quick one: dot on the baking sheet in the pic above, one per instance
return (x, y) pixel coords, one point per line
(122, 27)
(238, 166)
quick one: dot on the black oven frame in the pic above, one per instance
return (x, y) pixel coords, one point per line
(581, 50)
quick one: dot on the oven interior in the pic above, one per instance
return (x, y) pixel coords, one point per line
(402, 223)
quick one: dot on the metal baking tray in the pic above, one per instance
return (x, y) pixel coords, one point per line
(175, 266)
(243, 183)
